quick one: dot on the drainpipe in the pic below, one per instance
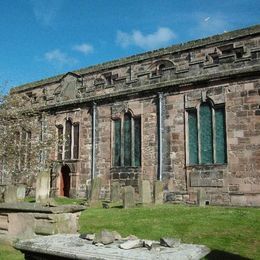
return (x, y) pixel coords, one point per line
(160, 132)
(93, 166)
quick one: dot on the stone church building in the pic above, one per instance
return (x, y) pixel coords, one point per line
(187, 115)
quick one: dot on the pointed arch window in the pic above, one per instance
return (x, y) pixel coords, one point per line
(207, 134)
(127, 141)
(68, 141)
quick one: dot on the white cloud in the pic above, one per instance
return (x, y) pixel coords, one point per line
(209, 24)
(84, 48)
(59, 58)
(160, 38)
(45, 11)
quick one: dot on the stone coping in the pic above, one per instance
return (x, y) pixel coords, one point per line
(36, 207)
(67, 246)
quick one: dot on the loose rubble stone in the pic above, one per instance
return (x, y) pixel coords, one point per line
(169, 242)
(89, 237)
(130, 244)
(105, 237)
(116, 235)
(149, 244)
(130, 237)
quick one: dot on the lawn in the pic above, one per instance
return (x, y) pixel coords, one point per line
(229, 232)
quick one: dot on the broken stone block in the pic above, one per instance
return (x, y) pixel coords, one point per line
(169, 241)
(149, 244)
(130, 237)
(116, 235)
(105, 237)
(130, 244)
(89, 237)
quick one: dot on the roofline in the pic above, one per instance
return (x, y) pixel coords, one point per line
(240, 33)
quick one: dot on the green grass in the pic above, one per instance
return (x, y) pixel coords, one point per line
(229, 232)
(225, 230)
(9, 253)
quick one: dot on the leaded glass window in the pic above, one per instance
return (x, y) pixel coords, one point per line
(207, 135)
(127, 141)
(68, 141)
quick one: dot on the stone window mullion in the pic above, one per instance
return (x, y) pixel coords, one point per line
(122, 142)
(199, 139)
(213, 134)
(133, 143)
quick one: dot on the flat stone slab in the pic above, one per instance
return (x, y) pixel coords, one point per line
(36, 207)
(73, 247)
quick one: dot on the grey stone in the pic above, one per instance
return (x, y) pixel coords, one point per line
(95, 189)
(43, 187)
(128, 197)
(89, 237)
(169, 242)
(105, 237)
(116, 235)
(21, 189)
(202, 197)
(72, 247)
(130, 237)
(115, 195)
(145, 190)
(130, 244)
(10, 194)
(158, 192)
(149, 244)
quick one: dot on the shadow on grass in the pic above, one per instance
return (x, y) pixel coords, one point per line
(217, 254)
(117, 207)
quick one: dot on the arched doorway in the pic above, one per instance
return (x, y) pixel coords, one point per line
(65, 181)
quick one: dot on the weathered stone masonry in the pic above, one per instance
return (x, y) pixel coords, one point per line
(210, 85)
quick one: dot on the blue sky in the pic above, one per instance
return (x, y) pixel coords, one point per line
(43, 38)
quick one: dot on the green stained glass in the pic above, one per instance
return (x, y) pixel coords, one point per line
(206, 139)
(117, 151)
(127, 140)
(220, 148)
(137, 151)
(193, 137)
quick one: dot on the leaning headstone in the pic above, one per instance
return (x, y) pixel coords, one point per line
(21, 192)
(128, 197)
(95, 189)
(202, 197)
(115, 192)
(10, 194)
(43, 187)
(145, 190)
(158, 192)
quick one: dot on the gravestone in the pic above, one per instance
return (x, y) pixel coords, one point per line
(10, 194)
(95, 189)
(202, 198)
(21, 192)
(43, 187)
(145, 192)
(115, 195)
(158, 192)
(128, 197)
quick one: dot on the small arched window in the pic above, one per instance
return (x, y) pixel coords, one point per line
(207, 134)
(127, 141)
(68, 141)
